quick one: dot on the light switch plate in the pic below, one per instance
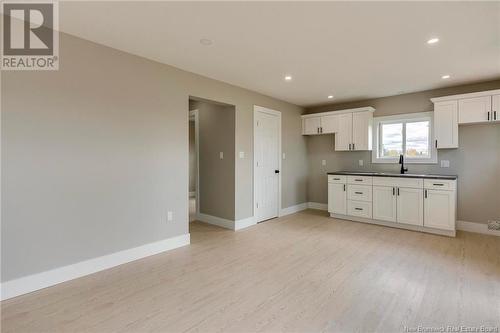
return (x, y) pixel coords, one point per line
(445, 164)
(323, 162)
(221, 155)
(284, 156)
(170, 216)
(242, 154)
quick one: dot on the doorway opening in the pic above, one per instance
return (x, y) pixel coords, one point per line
(212, 162)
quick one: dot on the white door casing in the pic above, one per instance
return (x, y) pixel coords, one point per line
(267, 160)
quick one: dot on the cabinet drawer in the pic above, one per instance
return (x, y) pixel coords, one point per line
(440, 184)
(337, 179)
(359, 192)
(398, 182)
(359, 208)
(359, 180)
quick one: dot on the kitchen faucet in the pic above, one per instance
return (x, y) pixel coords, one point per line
(401, 161)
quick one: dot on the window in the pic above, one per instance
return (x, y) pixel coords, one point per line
(410, 135)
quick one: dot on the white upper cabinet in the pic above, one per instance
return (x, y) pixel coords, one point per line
(352, 128)
(495, 107)
(329, 124)
(311, 125)
(474, 110)
(362, 123)
(451, 111)
(344, 135)
(446, 124)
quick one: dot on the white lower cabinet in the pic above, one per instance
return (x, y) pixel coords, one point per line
(410, 207)
(337, 198)
(384, 203)
(439, 209)
(426, 204)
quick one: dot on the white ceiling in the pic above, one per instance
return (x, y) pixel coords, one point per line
(352, 50)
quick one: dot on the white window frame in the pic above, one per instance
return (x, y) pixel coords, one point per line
(404, 118)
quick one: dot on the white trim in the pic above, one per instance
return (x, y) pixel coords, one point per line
(195, 115)
(317, 205)
(55, 276)
(225, 223)
(469, 95)
(480, 228)
(327, 113)
(425, 116)
(244, 223)
(293, 209)
(450, 233)
(218, 221)
(262, 109)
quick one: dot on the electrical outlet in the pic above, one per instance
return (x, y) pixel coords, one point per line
(361, 162)
(242, 154)
(445, 164)
(221, 155)
(323, 162)
(170, 216)
(284, 156)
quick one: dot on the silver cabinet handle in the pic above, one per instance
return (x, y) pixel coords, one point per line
(353, 147)
(336, 178)
(393, 191)
(488, 115)
(438, 184)
(398, 190)
(344, 187)
(358, 192)
(425, 194)
(358, 180)
(358, 208)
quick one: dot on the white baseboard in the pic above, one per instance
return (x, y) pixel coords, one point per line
(244, 223)
(317, 205)
(480, 228)
(220, 222)
(293, 209)
(225, 223)
(55, 276)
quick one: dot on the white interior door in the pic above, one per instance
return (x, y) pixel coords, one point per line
(267, 163)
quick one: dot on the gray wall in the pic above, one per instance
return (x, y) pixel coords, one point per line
(476, 161)
(95, 154)
(217, 177)
(192, 157)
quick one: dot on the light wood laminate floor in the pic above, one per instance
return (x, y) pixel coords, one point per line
(300, 273)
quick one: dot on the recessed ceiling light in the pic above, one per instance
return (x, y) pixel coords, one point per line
(205, 41)
(330, 96)
(288, 78)
(444, 77)
(433, 41)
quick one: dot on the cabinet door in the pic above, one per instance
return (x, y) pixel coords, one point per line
(311, 125)
(362, 130)
(410, 206)
(384, 203)
(343, 138)
(329, 124)
(439, 209)
(337, 198)
(495, 107)
(446, 124)
(474, 110)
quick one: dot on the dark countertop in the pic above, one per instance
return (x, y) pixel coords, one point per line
(389, 174)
